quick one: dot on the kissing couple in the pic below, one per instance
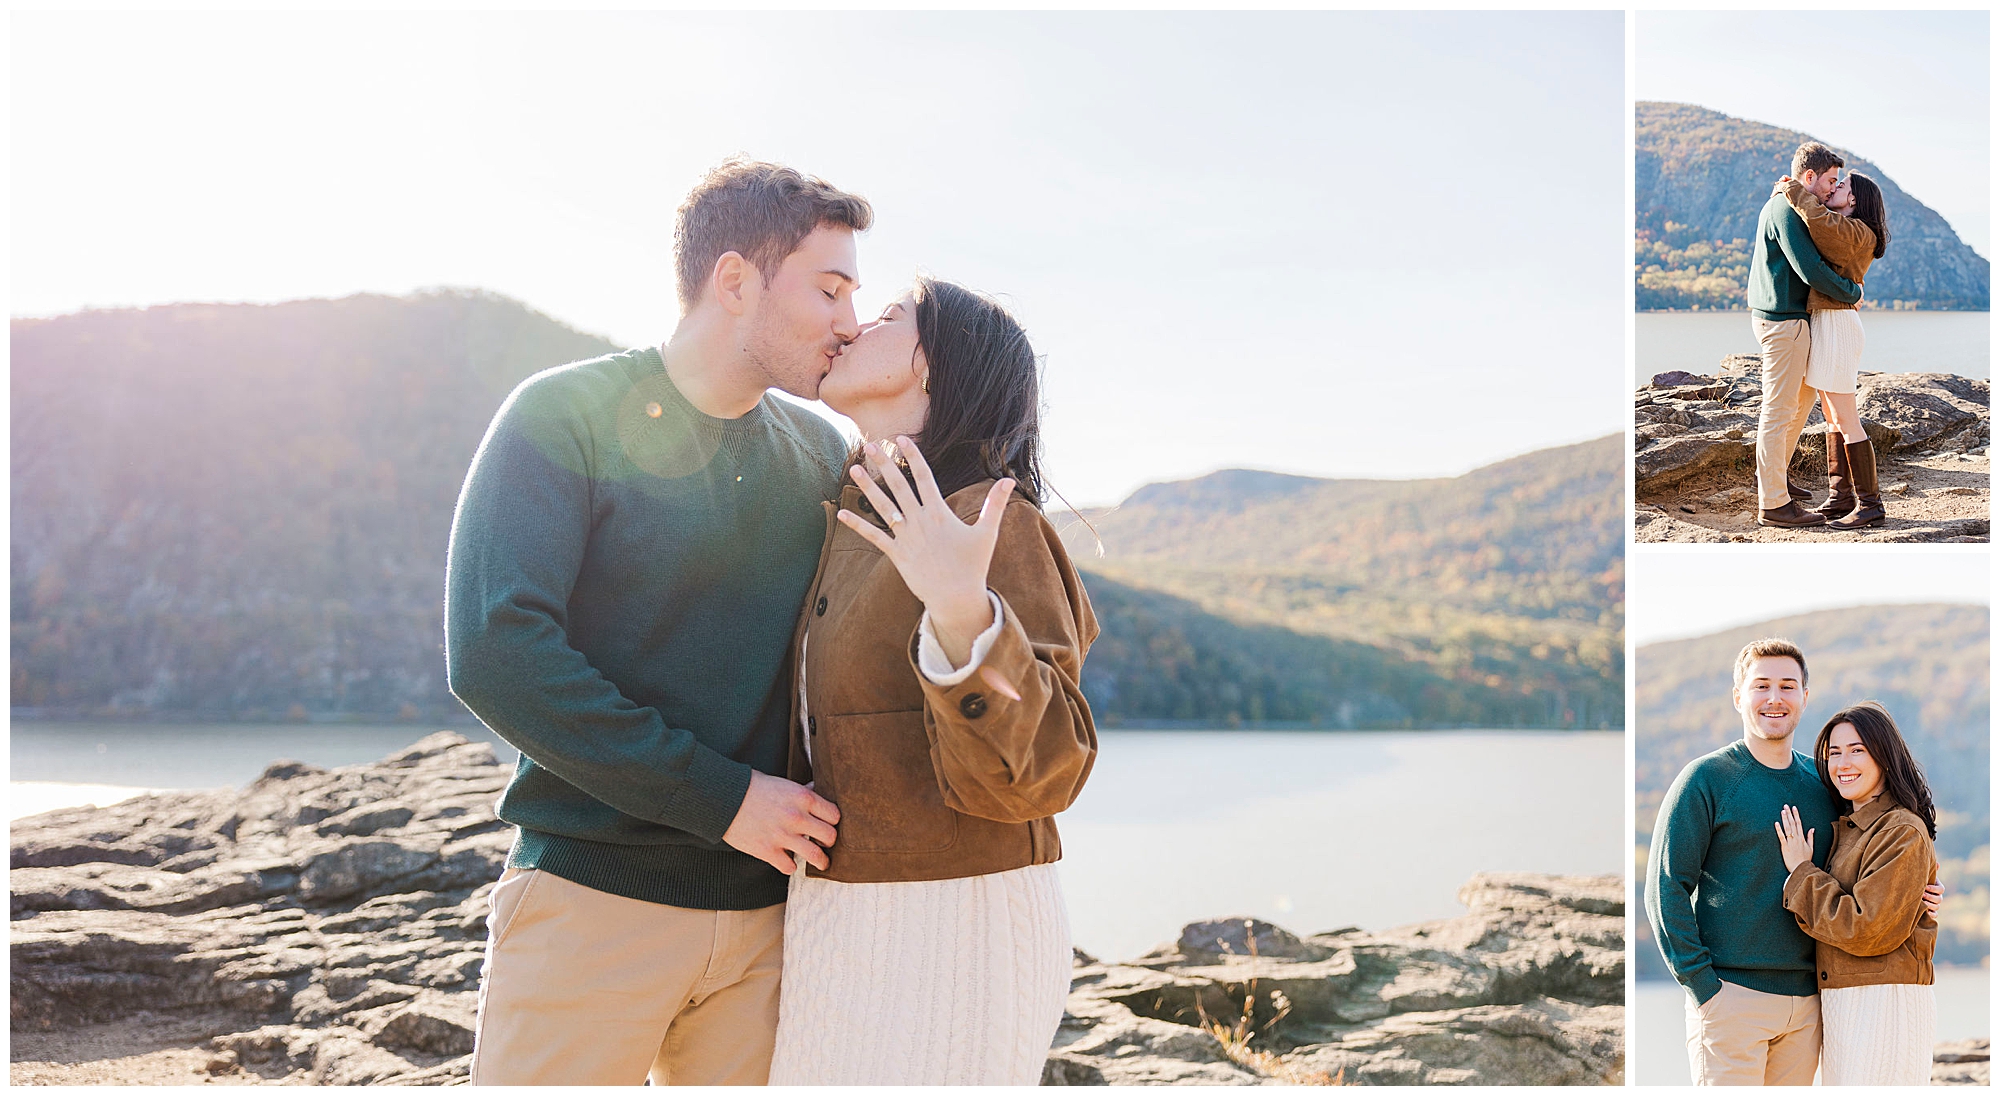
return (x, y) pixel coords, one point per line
(1796, 897)
(1816, 236)
(794, 715)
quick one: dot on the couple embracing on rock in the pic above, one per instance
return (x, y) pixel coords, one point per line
(794, 717)
(1816, 237)
(1796, 897)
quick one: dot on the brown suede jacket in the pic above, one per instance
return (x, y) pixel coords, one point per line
(1865, 911)
(1847, 245)
(943, 782)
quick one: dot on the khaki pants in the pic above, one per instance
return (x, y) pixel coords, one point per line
(1787, 346)
(587, 988)
(1744, 1036)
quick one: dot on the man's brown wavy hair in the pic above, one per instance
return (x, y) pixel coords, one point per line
(761, 211)
(1772, 647)
(1816, 158)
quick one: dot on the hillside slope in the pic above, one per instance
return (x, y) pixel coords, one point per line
(233, 510)
(1510, 577)
(241, 512)
(1702, 177)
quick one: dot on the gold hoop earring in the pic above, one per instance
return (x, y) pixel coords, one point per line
(926, 382)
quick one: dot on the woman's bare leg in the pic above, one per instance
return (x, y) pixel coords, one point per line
(1840, 411)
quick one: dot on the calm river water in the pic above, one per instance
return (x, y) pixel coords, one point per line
(1897, 342)
(1311, 829)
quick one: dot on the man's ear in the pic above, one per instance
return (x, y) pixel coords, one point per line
(736, 283)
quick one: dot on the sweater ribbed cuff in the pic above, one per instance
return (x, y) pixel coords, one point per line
(709, 797)
(1703, 984)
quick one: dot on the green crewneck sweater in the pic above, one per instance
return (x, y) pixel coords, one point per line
(624, 576)
(1785, 266)
(1715, 880)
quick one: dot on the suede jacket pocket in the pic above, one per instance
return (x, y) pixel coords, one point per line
(878, 770)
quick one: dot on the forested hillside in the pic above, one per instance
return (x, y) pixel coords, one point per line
(240, 512)
(1510, 577)
(1702, 177)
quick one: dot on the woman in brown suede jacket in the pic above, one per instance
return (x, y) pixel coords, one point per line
(1874, 938)
(939, 708)
(1851, 230)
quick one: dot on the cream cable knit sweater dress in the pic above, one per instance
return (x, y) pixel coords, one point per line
(936, 982)
(1877, 1035)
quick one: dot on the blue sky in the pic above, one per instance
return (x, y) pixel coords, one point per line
(1334, 243)
(1909, 90)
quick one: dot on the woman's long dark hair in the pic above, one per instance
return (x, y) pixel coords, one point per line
(1869, 209)
(986, 394)
(1902, 777)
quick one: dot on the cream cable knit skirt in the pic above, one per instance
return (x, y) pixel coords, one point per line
(942, 982)
(1834, 362)
(1877, 1035)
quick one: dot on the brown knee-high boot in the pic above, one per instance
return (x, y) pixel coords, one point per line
(1839, 480)
(1867, 492)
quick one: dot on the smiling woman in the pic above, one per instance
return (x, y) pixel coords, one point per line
(1873, 937)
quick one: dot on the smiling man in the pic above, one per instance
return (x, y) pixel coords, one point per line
(1716, 885)
(627, 562)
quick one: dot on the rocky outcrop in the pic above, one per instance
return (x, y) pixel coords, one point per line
(1968, 1062)
(1526, 988)
(325, 926)
(1695, 455)
(329, 927)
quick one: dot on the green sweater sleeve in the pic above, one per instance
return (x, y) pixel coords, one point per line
(1680, 845)
(517, 542)
(1795, 240)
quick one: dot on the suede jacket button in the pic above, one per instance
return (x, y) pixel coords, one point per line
(819, 608)
(973, 706)
(1822, 976)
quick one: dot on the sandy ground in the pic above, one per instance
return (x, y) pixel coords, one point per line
(1944, 498)
(139, 1050)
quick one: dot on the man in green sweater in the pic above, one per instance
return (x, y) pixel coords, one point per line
(1783, 268)
(628, 558)
(1715, 885)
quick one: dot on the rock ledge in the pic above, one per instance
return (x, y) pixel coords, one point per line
(328, 927)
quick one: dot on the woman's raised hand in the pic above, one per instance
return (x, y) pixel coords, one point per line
(1794, 845)
(942, 559)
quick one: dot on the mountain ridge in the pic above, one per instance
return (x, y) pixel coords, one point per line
(1701, 177)
(1513, 572)
(240, 512)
